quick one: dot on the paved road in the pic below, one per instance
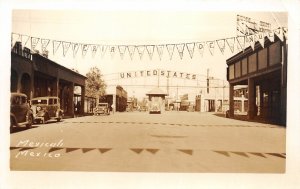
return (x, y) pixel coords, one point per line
(138, 141)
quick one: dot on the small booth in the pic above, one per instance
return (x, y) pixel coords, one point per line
(156, 100)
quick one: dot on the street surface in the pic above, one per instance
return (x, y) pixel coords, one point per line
(143, 142)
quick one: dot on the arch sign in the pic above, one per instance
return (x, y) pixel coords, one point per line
(156, 72)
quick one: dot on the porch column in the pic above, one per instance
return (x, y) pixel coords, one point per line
(71, 100)
(251, 99)
(57, 87)
(231, 100)
(82, 100)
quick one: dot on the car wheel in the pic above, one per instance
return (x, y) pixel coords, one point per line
(46, 118)
(29, 121)
(12, 123)
(59, 117)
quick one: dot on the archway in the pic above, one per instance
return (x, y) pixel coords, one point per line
(13, 81)
(26, 84)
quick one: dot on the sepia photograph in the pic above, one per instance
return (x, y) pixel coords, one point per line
(152, 92)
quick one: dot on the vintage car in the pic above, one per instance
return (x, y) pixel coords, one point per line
(20, 112)
(102, 108)
(46, 108)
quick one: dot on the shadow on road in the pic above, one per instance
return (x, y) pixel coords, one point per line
(245, 118)
(19, 129)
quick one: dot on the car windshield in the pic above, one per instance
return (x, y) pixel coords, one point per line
(39, 101)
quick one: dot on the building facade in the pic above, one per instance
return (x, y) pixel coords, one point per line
(264, 72)
(35, 75)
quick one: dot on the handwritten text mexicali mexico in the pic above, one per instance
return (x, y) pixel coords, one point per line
(33, 144)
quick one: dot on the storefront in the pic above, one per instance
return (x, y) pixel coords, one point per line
(37, 76)
(264, 72)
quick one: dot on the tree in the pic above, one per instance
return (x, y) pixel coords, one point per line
(94, 84)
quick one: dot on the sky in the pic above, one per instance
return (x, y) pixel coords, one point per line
(138, 28)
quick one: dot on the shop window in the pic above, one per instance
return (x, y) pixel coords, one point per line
(252, 63)
(231, 71)
(244, 66)
(262, 58)
(275, 53)
(237, 69)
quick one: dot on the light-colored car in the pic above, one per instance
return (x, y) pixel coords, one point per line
(20, 112)
(102, 108)
(46, 108)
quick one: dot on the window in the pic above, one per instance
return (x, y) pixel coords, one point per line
(231, 71)
(23, 100)
(237, 69)
(262, 58)
(252, 63)
(275, 53)
(244, 66)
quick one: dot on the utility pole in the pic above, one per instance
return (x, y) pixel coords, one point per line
(207, 80)
(158, 78)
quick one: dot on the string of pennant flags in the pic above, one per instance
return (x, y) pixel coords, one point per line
(233, 43)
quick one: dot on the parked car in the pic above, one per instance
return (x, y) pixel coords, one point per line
(46, 108)
(20, 112)
(102, 108)
(191, 108)
(143, 109)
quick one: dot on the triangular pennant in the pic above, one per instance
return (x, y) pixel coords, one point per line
(54, 149)
(71, 149)
(66, 46)
(103, 150)
(153, 151)
(137, 150)
(45, 43)
(13, 148)
(277, 155)
(94, 50)
(221, 45)
(180, 49)
(27, 148)
(75, 47)
(122, 49)
(241, 42)
(131, 49)
(260, 37)
(251, 41)
(34, 42)
(150, 50)
(84, 150)
(257, 154)
(25, 39)
(14, 38)
(160, 50)
(270, 36)
(56, 45)
(211, 46)
(141, 50)
(279, 33)
(112, 50)
(190, 152)
(223, 153)
(84, 49)
(241, 154)
(201, 46)
(190, 47)
(285, 32)
(230, 43)
(170, 48)
(103, 49)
